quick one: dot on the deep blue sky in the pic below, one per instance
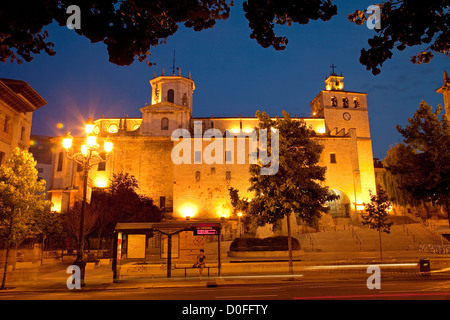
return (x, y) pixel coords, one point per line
(233, 75)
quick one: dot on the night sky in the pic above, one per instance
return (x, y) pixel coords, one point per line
(233, 75)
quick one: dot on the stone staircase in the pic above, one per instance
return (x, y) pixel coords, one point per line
(401, 238)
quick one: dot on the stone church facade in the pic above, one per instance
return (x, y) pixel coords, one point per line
(143, 147)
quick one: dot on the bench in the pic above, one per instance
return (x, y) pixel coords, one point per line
(187, 266)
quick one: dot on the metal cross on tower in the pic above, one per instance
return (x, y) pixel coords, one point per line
(333, 67)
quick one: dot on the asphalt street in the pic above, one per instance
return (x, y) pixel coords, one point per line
(338, 287)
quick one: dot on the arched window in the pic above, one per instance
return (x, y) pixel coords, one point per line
(345, 102)
(171, 95)
(356, 103)
(164, 124)
(334, 101)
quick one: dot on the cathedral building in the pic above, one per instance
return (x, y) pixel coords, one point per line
(196, 189)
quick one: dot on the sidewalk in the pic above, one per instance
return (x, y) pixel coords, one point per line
(312, 265)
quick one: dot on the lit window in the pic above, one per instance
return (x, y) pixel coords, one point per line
(113, 128)
(356, 103)
(334, 101)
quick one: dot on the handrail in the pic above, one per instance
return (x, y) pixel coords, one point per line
(355, 235)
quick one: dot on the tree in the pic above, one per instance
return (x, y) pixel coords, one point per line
(121, 203)
(424, 164)
(407, 24)
(72, 220)
(21, 197)
(392, 181)
(377, 217)
(297, 187)
(130, 28)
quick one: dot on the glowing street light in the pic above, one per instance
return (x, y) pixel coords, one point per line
(89, 156)
(240, 227)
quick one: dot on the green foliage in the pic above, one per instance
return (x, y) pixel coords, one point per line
(378, 209)
(263, 15)
(121, 203)
(422, 164)
(407, 24)
(393, 180)
(22, 198)
(297, 187)
(130, 28)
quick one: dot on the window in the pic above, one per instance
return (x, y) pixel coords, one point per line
(101, 166)
(332, 157)
(164, 124)
(40, 170)
(60, 161)
(2, 156)
(228, 176)
(198, 157)
(197, 176)
(213, 170)
(356, 103)
(113, 128)
(79, 167)
(171, 95)
(22, 134)
(162, 202)
(6, 124)
(228, 156)
(345, 102)
(334, 101)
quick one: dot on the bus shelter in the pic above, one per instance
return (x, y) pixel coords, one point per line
(139, 232)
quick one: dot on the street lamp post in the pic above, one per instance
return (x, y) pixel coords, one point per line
(240, 227)
(89, 156)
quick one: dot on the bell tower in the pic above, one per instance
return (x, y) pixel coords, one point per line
(171, 105)
(445, 90)
(341, 109)
(174, 89)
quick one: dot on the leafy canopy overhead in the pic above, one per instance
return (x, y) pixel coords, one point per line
(407, 24)
(129, 28)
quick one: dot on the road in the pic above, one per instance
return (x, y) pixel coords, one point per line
(341, 287)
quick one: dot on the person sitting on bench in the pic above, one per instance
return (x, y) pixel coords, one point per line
(201, 260)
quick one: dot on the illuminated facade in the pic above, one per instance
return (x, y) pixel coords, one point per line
(197, 190)
(18, 101)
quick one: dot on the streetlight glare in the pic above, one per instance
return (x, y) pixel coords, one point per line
(108, 145)
(67, 141)
(89, 126)
(84, 150)
(91, 140)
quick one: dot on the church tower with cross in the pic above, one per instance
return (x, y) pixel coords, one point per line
(348, 149)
